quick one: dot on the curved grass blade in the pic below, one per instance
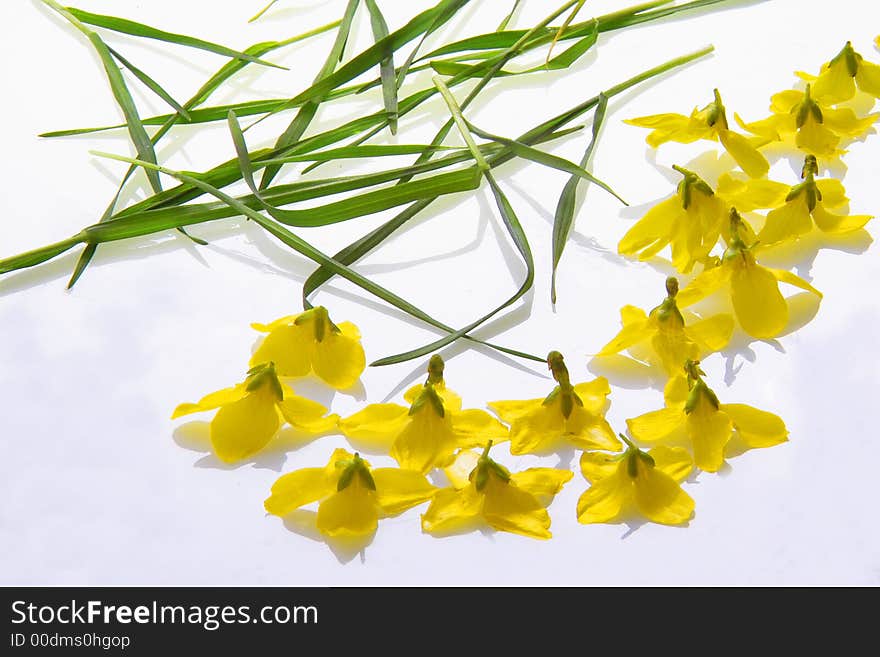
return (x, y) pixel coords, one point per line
(504, 23)
(563, 219)
(306, 249)
(564, 26)
(150, 83)
(386, 66)
(262, 11)
(553, 161)
(133, 28)
(307, 110)
(136, 130)
(358, 152)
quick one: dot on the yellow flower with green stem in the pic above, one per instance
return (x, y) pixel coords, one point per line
(352, 496)
(508, 502)
(311, 342)
(427, 433)
(759, 306)
(693, 413)
(573, 414)
(793, 209)
(708, 123)
(815, 128)
(690, 222)
(663, 337)
(636, 482)
(838, 78)
(251, 412)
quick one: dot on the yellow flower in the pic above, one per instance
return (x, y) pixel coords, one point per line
(636, 481)
(694, 412)
(707, 123)
(507, 502)
(690, 221)
(427, 433)
(663, 337)
(793, 209)
(837, 81)
(816, 129)
(251, 413)
(574, 414)
(759, 306)
(311, 342)
(352, 496)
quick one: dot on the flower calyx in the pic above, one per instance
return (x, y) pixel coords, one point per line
(808, 187)
(668, 309)
(564, 391)
(321, 322)
(262, 375)
(805, 108)
(485, 468)
(690, 183)
(698, 388)
(351, 468)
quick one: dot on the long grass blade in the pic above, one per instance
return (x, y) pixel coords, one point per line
(386, 66)
(262, 11)
(307, 111)
(506, 20)
(150, 83)
(133, 28)
(563, 219)
(564, 26)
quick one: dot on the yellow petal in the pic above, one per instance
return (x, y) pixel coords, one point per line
(339, 358)
(587, 430)
(666, 127)
(426, 441)
(756, 427)
(473, 427)
(659, 497)
(793, 279)
(458, 472)
(713, 333)
(676, 391)
(750, 195)
(709, 430)
(541, 481)
(594, 394)
(834, 84)
(632, 332)
(288, 346)
(868, 78)
(598, 465)
(452, 509)
(832, 191)
(281, 321)
(398, 490)
(788, 222)
(829, 222)
(656, 425)
(606, 498)
(376, 423)
(353, 511)
(654, 228)
(306, 415)
(817, 139)
(450, 398)
(299, 488)
(510, 410)
(211, 401)
(845, 122)
(673, 461)
(784, 101)
(746, 155)
(759, 305)
(537, 429)
(674, 347)
(703, 285)
(244, 427)
(508, 508)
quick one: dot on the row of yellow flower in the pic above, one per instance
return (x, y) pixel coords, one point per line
(433, 430)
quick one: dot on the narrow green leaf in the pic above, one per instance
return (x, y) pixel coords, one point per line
(462, 124)
(262, 11)
(307, 110)
(386, 66)
(126, 26)
(136, 130)
(150, 83)
(564, 26)
(527, 152)
(563, 219)
(503, 25)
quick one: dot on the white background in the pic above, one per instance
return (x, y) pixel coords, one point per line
(98, 486)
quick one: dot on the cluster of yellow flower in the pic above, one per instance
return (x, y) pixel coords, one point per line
(433, 431)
